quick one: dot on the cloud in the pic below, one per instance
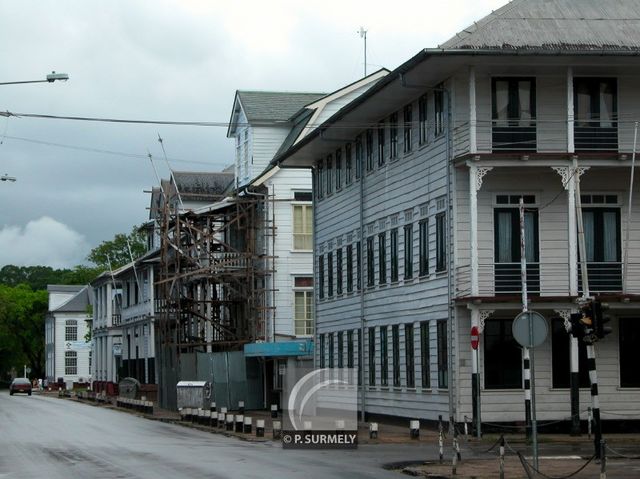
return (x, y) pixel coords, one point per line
(44, 241)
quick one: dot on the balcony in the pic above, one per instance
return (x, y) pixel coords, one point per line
(543, 137)
(116, 320)
(546, 279)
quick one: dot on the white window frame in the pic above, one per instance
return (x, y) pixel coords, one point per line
(309, 298)
(304, 205)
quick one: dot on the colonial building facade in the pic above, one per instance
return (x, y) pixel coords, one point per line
(417, 185)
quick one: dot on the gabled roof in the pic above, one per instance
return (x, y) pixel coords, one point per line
(202, 186)
(268, 106)
(77, 303)
(573, 25)
(274, 105)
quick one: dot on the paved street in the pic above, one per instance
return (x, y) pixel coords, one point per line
(49, 437)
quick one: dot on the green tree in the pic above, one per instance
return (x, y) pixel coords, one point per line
(116, 252)
(22, 313)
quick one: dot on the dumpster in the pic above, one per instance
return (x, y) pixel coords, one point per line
(193, 394)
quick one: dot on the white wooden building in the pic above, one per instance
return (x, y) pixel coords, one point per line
(416, 191)
(67, 353)
(264, 124)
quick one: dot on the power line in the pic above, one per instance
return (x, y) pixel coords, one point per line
(97, 150)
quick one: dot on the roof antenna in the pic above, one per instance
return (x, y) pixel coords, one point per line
(175, 184)
(363, 35)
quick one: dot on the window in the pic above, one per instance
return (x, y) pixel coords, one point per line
(330, 274)
(358, 156)
(338, 169)
(381, 143)
(340, 349)
(514, 114)
(407, 128)
(423, 252)
(321, 351)
(441, 242)
(321, 276)
(370, 271)
(71, 330)
(372, 356)
(502, 356)
(408, 251)
(443, 365)
(395, 344)
(339, 271)
(384, 357)
(359, 265)
(422, 119)
(394, 254)
(596, 110)
(507, 250)
(331, 350)
(329, 174)
(369, 145)
(350, 362)
(561, 357)
(438, 111)
(629, 337)
(393, 136)
(302, 227)
(70, 363)
(382, 258)
(425, 354)
(360, 358)
(602, 242)
(320, 180)
(409, 356)
(349, 268)
(348, 172)
(303, 307)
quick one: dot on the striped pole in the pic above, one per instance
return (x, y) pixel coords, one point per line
(527, 391)
(595, 402)
(525, 308)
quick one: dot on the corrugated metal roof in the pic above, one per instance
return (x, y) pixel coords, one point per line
(571, 25)
(194, 183)
(274, 105)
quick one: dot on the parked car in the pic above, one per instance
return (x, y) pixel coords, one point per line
(20, 385)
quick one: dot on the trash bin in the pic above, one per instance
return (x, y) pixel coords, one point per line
(194, 394)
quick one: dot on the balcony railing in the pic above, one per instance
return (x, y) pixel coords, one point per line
(546, 279)
(116, 319)
(543, 136)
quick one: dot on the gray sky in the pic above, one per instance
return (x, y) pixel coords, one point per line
(164, 60)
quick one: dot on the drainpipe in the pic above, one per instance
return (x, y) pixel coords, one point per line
(363, 394)
(450, 328)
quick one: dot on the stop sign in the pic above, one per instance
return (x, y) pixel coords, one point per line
(475, 337)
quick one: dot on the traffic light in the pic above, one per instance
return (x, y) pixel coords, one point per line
(582, 324)
(599, 320)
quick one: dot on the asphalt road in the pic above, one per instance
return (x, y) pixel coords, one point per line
(47, 437)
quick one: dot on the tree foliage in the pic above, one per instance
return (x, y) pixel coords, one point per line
(22, 313)
(115, 252)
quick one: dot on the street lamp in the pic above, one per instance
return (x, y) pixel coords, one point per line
(50, 78)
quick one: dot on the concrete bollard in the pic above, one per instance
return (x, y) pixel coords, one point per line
(187, 414)
(260, 428)
(307, 425)
(223, 410)
(414, 429)
(277, 429)
(212, 407)
(239, 422)
(230, 421)
(241, 407)
(373, 430)
(207, 418)
(274, 411)
(143, 398)
(151, 407)
(248, 425)
(221, 419)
